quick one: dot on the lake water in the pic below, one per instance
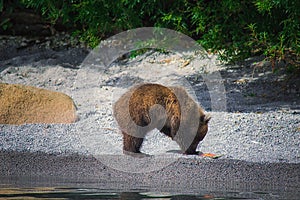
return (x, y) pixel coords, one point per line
(33, 187)
(7, 192)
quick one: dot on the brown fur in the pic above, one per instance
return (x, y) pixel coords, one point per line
(170, 110)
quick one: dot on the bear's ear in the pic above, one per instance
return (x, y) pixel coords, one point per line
(204, 119)
(207, 118)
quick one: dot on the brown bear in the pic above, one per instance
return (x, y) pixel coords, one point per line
(168, 109)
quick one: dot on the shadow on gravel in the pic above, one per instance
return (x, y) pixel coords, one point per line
(37, 55)
(253, 90)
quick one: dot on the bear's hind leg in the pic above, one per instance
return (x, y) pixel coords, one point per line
(132, 145)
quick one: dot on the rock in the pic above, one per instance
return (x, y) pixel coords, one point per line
(20, 104)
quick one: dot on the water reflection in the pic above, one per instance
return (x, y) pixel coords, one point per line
(92, 193)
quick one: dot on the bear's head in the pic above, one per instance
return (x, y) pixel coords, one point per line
(201, 132)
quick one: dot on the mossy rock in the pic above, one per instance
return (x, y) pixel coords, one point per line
(20, 104)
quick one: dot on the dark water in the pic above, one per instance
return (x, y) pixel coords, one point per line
(23, 187)
(7, 192)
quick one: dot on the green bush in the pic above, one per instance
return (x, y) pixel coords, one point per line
(236, 29)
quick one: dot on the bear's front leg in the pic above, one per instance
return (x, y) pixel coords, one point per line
(192, 148)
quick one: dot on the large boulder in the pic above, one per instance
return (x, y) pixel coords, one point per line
(20, 104)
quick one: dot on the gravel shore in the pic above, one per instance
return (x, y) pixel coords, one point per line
(255, 123)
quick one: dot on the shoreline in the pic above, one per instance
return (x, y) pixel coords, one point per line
(185, 173)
